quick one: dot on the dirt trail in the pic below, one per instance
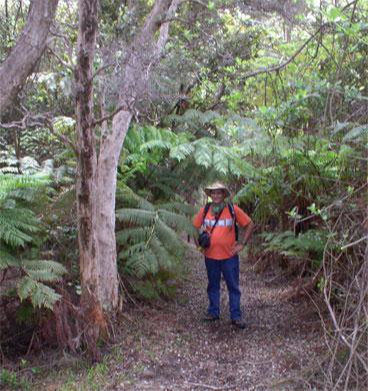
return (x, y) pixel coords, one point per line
(172, 349)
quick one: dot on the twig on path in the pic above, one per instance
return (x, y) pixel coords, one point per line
(213, 387)
(256, 362)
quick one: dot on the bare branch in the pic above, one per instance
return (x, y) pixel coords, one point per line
(108, 117)
(102, 69)
(62, 62)
(292, 58)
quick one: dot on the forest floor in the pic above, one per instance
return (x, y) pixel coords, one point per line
(167, 346)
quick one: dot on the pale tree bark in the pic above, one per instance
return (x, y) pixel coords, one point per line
(96, 183)
(137, 69)
(27, 51)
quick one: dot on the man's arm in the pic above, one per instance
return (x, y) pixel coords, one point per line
(240, 244)
(247, 233)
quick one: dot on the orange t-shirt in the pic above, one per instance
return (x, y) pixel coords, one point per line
(223, 236)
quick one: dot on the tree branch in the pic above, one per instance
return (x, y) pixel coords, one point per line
(62, 62)
(109, 116)
(292, 58)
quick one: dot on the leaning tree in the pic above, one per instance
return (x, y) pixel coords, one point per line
(29, 48)
(97, 169)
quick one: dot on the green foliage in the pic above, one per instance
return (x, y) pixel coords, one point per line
(161, 285)
(147, 147)
(19, 226)
(150, 247)
(309, 246)
(150, 241)
(297, 174)
(10, 379)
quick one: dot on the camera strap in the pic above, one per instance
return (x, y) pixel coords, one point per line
(217, 219)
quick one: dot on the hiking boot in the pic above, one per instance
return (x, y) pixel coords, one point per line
(210, 318)
(238, 323)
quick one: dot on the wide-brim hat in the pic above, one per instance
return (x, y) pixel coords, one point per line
(216, 186)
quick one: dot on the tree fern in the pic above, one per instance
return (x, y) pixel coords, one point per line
(134, 235)
(7, 259)
(178, 207)
(18, 226)
(150, 145)
(149, 241)
(136, 216)
(181, 151)
(39, 294)
(175, 220)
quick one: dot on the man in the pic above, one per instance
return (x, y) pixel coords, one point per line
(222, 254)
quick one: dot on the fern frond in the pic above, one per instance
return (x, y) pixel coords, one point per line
(178, 207)
(181, 151)
(16, 225)
(7, 260)
(140, 264)
(48, 270)
(31, 286)
(25, 287)
(220, 162)
(195, 117)
(136, 234)
(136, 216)
(42, 275)
(312, 241)
(168, 236)
(44, 296)
(129, 198)
(133, 250)
(203, 155)
(165, 259)
(22, 187)
(155, 144)
(177, 222)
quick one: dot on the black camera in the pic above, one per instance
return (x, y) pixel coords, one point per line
(204, 239)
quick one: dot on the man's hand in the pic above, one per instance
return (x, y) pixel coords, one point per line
(238, 247)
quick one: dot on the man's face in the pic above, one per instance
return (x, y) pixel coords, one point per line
(217, 196)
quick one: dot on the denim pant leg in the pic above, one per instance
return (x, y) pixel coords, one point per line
(230, 271)
(213, 288)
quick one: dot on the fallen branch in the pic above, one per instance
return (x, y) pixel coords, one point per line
(213, 387)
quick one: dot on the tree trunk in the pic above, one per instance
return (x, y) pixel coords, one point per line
(27, 51)
(86, 152)
(108, 160)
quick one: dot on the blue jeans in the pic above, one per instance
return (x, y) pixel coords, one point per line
(230, 270)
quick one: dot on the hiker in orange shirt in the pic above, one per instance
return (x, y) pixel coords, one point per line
(220, 220)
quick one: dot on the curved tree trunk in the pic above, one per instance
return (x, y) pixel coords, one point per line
(96, 180)
(27, 51)
(110, 148)
(136, 71)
